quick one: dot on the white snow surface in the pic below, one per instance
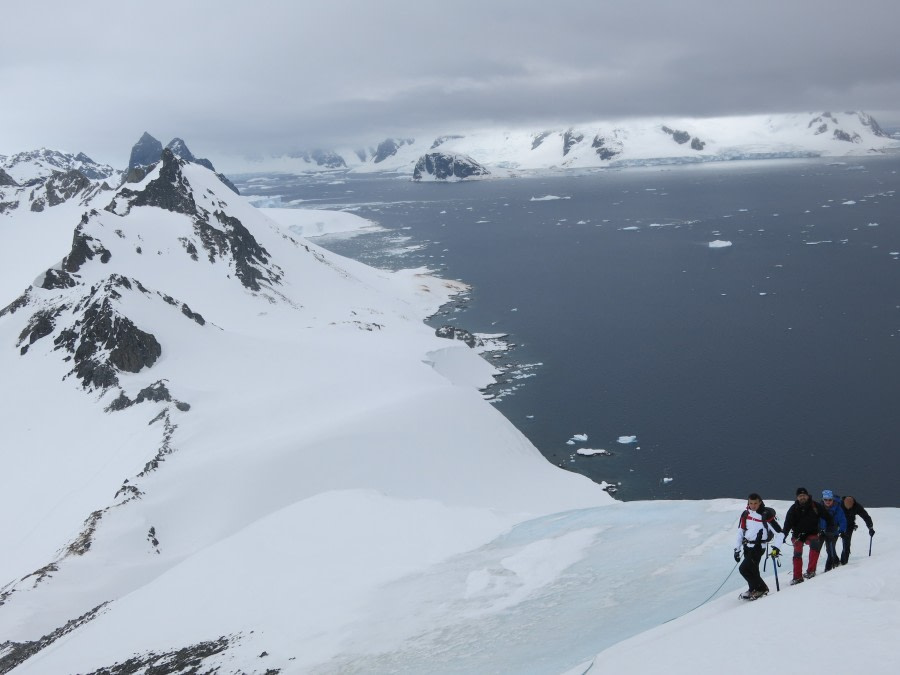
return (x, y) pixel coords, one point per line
(340, 497)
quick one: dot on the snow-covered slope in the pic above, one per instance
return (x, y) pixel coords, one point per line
(612, 143)
(198, 407)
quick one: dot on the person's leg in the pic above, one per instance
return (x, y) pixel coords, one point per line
(815, 547)
(798, 558)
(845, 546)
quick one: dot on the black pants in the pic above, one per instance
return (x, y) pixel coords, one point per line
(749, 568)
(845, 549)
(831, 549)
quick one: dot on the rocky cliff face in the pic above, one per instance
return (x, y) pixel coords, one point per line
(447, 166)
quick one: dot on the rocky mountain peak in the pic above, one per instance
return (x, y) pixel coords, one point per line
(145, 152)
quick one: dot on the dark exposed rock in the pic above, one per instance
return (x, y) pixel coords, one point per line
(84, 248)
(61, 187)
(18, 303)
(869, 121)
(231, 186)
(193, 315)
(697, 144)
(187, 660)
(680, 137)
(821, 129)
(16, 653)
(454, 333)
(6, 179)
(606, 148)
(330, 160)
(246, 251)
(136, 174)
(570, 139)
(440, 140)
(445, 165)
(841, 135)
(145, 152)
(169, 190)
(539, 138)
(389, 147)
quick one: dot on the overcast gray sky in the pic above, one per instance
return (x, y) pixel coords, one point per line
(233, 78)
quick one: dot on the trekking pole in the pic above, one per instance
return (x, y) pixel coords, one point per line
(871, 537)
(767, 557)
(776, 553)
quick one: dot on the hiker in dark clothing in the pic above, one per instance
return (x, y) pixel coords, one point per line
(803, 520)
(756, 527)
(853, 508)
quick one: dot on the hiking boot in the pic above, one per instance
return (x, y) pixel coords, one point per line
(758, 594)
(809, 575)
(794, 582)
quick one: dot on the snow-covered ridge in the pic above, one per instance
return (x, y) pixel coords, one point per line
(186, 384)
(610, 143)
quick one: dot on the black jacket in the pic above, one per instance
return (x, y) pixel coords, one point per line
(856, 510)
(803, 519)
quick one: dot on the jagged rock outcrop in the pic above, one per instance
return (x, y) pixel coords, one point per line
(440, 140)
(539, 139)
(145, 152)
(389, 147)
(7, 180)
(61, 187)
(607, 148)
(682, 137)
(570, 139)
(447, 166)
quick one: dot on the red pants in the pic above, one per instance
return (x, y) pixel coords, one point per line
(815, 545)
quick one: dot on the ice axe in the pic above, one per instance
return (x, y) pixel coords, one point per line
(776, 563)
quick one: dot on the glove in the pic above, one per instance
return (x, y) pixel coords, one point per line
(737, 555)
(775, 552)
(871, 532)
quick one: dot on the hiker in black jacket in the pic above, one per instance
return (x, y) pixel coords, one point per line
(803, 520)
(853, 508)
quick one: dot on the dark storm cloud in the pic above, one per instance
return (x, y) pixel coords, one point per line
(94, 75)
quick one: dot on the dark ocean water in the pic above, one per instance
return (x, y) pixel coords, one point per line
(762, 366)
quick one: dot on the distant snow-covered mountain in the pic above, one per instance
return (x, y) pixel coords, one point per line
(611, 144)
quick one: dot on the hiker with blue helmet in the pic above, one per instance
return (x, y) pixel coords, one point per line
(803, 520)
(832, 530)
(853, 508)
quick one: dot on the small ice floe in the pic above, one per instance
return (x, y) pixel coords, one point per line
(630, 228)
(547, 198)
(514, 309)
(590, 452)
(443, 212)
(873, 224)
(743, 210)
(816, 243)
(763, 293)
(579, 438)
(894, 253)
(719, 243)
(479, 222)
(611, 489)
(666, 479)
(582, 222)
(849, 202)
(529, 417)
(625, 440)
